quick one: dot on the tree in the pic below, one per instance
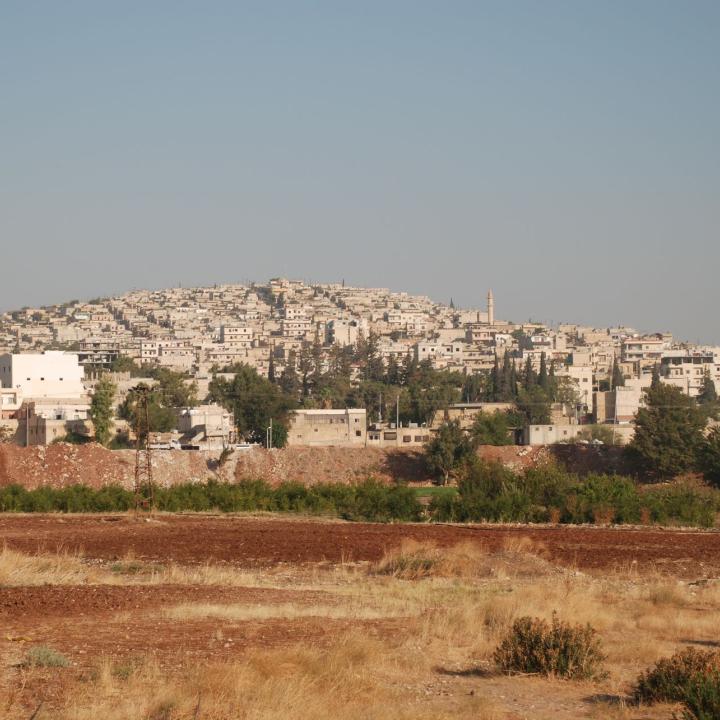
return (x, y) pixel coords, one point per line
(710, 457)
(161, 417)
(617, 379)
(655, 381)
(494, 383)
(101, 409)
(253, 399)
(305, 367)
(123, 363)
(279, 434)
(529, 377)
(448, 450)
(6, 434)
(543, 380)
(491, 429)
(708, 393)
(289, 381)
(535, 406)
(668, 432)
(271, 365)
(392, 374)
(173, 388)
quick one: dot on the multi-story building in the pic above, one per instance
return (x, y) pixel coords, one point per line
(51, 374)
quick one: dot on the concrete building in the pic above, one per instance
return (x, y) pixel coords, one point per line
(619, 405)
(10, 402)
(42, 421)
(465, 413)
(52, 374)
(208, 427)
(550, 434)
(326, 428)
(687, 370)
(385, 435)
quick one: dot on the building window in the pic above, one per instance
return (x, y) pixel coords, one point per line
(358, 433)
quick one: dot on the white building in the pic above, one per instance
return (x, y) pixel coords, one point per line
(52, 374)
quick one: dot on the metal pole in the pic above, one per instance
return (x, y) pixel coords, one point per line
(397, 410)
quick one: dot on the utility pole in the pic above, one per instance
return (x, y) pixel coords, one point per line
(397, 411)
(144, 496)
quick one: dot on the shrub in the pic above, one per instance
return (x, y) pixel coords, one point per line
(43, 656)
(534, 646)
(702, 696)
(671, 678)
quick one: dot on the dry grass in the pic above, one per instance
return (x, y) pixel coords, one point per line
(356, 677)
(62, 568)
(284, 611)
(451, 607)
(413, 560)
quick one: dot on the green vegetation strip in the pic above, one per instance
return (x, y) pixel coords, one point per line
(487, 492)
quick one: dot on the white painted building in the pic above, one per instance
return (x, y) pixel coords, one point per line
(52, 374)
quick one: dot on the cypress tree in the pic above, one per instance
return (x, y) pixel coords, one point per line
(655, 383)
(530, 378)
(271, 366)
(543, 375)
(618, 379)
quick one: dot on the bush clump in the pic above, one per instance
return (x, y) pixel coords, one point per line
(691, 677)
(557, 648)
(44, 656)
(488, 491)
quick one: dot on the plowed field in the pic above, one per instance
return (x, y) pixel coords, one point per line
(259, 542)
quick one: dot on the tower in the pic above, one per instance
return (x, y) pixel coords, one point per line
(490, 308)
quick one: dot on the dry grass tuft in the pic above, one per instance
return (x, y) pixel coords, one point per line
(62, 568)
(415, 560)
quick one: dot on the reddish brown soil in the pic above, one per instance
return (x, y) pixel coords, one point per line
(62, 464)
(50, 600)
(250, 542)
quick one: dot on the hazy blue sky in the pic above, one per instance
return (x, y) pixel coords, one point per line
(566, 154)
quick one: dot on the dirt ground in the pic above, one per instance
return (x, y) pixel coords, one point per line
(61, 464)
(183, 592)
(262, 541)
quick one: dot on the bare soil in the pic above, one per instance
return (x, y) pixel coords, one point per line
(264, 541)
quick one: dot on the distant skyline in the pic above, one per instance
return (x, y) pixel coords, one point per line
(481, 305)
(564, 154)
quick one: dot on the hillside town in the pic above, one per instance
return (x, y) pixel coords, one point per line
(343, 356)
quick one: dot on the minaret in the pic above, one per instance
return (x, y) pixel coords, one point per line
(490, 308)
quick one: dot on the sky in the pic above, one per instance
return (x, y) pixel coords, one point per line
(564, 154)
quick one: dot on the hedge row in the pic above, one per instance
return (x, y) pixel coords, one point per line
(369, 500)
(487, 492)
(491, 492)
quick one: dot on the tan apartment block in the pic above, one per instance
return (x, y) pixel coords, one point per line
(328, 428)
